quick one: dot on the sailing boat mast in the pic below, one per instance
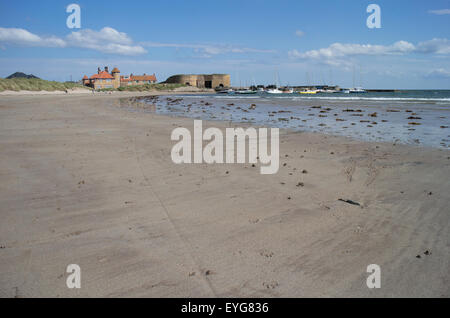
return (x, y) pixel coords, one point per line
(353, 76)
(277, 79)
(360, 77)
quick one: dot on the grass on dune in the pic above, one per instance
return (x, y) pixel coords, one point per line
(35, 84)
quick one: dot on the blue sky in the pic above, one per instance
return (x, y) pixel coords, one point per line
(304, 42)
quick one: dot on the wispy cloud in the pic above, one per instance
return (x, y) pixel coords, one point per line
(439, 73)
(107, 40)
(207, 49)
(299, 33)
(440, 12)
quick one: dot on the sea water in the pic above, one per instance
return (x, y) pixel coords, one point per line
(419, 117)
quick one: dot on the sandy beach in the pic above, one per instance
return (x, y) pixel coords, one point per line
(86, 181)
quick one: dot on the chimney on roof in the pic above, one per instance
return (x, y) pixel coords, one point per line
(106, 69)
(98, 70)
(145, 74)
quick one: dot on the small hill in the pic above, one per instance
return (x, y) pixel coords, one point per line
(21, 75)
(35, 84)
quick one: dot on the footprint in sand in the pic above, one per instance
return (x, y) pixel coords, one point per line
(350, 170)
(266, 253)
(270, 285)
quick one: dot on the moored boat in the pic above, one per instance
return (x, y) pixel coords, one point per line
(274, 91)
(245, 92)
(225, 91)
(308, 92)
(288, 90)
(357, 90)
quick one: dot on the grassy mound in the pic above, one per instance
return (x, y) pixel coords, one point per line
(35, 84)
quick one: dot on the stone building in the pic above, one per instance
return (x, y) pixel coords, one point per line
(137, 79)
(201, 80)
(104, 79)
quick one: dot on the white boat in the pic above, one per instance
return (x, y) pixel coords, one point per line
(356, 90)
(345, 91)
(274, 91)
(327, 91)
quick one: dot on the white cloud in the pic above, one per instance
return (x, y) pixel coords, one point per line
(299, 33)
(111, 41)
(337, 53)
(440, 12)
(439, 73)
(22, 37)
(437, 46)
(93, 38)
(339, 50)
(107, 40)
(114, 48)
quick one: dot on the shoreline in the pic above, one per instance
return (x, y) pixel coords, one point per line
(84, 181)
(416, 124)
(89, 91)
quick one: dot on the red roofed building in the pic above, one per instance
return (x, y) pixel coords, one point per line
(137, 80)
(102, 75)
(104, 79)
(85, 80)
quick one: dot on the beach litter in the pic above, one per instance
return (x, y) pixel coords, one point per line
(350, 202)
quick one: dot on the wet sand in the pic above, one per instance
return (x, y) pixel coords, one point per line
(415, 122)
(85, 181)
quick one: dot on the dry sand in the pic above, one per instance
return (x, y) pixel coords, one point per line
(74, 91)
(84, 181)
(84, 91)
